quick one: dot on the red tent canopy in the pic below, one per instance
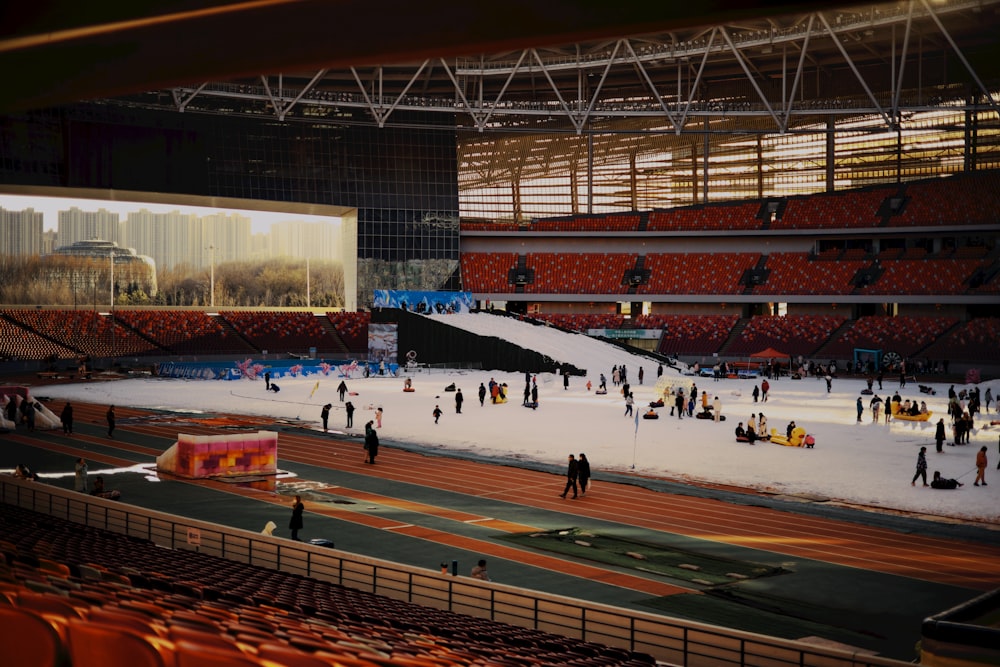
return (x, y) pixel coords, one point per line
(769, 353)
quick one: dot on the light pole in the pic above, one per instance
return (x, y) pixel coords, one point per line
(112, 256)
(212, 278)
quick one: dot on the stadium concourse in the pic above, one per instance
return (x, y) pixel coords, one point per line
(863, 556)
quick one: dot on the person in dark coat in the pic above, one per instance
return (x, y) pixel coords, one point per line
(565, 381)
(939, 435)
(482, 394)
(572, 472)
(349, 409)
(756, 393)
(459, 399)
(267, 381)
(371, 442)
(12, 410)
(583, 473)
(921, 467)
(342, 390)
(324, 414)
(66, 417)
(940, 482)
(295, 524)
(110, 417)
(534, 394)
(437, 413)
(28, 410)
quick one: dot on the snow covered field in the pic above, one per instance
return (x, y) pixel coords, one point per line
(868, 464)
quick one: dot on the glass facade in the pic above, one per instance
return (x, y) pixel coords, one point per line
(402, 179)
(638, 166)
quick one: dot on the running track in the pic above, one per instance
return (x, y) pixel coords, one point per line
(972, 565)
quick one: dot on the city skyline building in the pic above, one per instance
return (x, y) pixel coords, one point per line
(76, 224)
(21, 232)
(308, 240)
(171, 238)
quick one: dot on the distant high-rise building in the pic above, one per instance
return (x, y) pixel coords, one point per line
(171, 239)
(176, 238)
(225, 237)
(79, 225)
(20, 232)
(48, 241)
(312, 240)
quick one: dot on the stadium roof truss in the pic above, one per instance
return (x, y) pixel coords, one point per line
(883, 60)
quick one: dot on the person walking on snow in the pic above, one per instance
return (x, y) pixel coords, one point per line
(756, 393)
(875, 405)
(349, 408)
(765, 387)
(459, 399)
(921, 467)
(342, 390)
(980, 467)
(482, 394)
(436, 413)
(629, 402)
(861, 409)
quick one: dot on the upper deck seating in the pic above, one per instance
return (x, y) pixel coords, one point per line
(696, 272)
(923, 276)
(611, 222)
(487, 272)
(852, 208)
(579, 273)
(706, 218)
(795, 273)
(962, 199)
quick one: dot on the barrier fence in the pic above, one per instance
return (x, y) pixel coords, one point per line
(670, 640)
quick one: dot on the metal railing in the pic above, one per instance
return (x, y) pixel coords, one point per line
(669, 640)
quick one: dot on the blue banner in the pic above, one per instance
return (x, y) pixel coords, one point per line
(424, 303)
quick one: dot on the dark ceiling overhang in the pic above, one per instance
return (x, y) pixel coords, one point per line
(61, 51)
